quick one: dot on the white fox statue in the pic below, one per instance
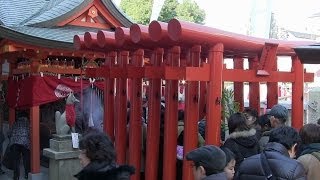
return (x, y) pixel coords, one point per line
(62, 127)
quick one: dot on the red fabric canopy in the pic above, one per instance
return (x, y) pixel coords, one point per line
(36, 90)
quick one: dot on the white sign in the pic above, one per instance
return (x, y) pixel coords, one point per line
(75, 140)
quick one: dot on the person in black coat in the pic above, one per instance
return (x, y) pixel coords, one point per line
(276, 159)
(242, 140)
(98, 159)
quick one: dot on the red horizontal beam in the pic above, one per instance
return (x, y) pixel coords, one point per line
(187, 33)
(122, 36)
(106, 39)
(90, 40)
(193, 74)
(238, 75)
(78, 42)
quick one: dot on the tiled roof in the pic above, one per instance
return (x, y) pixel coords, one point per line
(63, 34)
(34, 21)
(61, 10)
(44, 37)
(13, 12)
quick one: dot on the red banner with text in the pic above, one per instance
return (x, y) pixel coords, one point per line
(37, 90)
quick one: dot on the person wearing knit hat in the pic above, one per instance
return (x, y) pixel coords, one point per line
(208, 163)
(278, 115)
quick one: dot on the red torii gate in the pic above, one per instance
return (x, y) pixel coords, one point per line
(183, 51)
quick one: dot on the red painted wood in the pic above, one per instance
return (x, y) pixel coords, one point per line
(109, 103)
(297, 94)
(203, 96)
(213, 123)
(121, 111)
(188, 33)
(75, 15)
(122, 36)
(268, 57)
(254, 87)
(139, 33)
(90, 24)
(106, 39)
(272, 90)
(90, 40)
(238, 86)
(12, 116)
(158, 32)
(153, 132)
(35, 139)
(102, 10)
(78, 42)
(135, 128)
(171, 119)
(237, 75)
(191, 113)
(202, 100)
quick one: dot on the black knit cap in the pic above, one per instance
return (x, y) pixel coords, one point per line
(212, 158)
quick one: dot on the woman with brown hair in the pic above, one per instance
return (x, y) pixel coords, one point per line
(310, 155)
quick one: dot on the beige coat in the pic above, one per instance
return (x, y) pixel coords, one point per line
(312, 166)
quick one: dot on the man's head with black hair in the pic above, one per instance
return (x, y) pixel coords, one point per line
(287, 136)
(251, 115)
(96, 146)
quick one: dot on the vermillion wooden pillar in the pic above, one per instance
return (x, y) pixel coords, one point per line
(35, 139)
(108, 123)
(171, 120)
(238, 86)
(135, 117)
(297, 94)
(190, 140)
(254, 87)
(214, 95)
(153, 132)
(203, 96)
(272, 90)
(12, 116)
(121, 111)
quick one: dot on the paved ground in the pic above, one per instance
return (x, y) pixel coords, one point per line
(9, 174)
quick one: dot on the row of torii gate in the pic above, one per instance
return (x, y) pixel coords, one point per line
(181, 50)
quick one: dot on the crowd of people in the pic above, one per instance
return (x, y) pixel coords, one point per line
(261, 147)
(256, 147)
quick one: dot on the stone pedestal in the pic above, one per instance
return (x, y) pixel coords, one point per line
(313, 110)
(64, 161)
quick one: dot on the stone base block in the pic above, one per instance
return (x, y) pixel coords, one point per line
(38, 176)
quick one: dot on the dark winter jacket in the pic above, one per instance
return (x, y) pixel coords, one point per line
(264, 139)
(103, 171)
(243, 144)
(219, 176)
(281, 165)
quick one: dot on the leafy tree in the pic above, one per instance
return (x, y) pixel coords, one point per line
(168, 10)
(140, 10)
(189, 10)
